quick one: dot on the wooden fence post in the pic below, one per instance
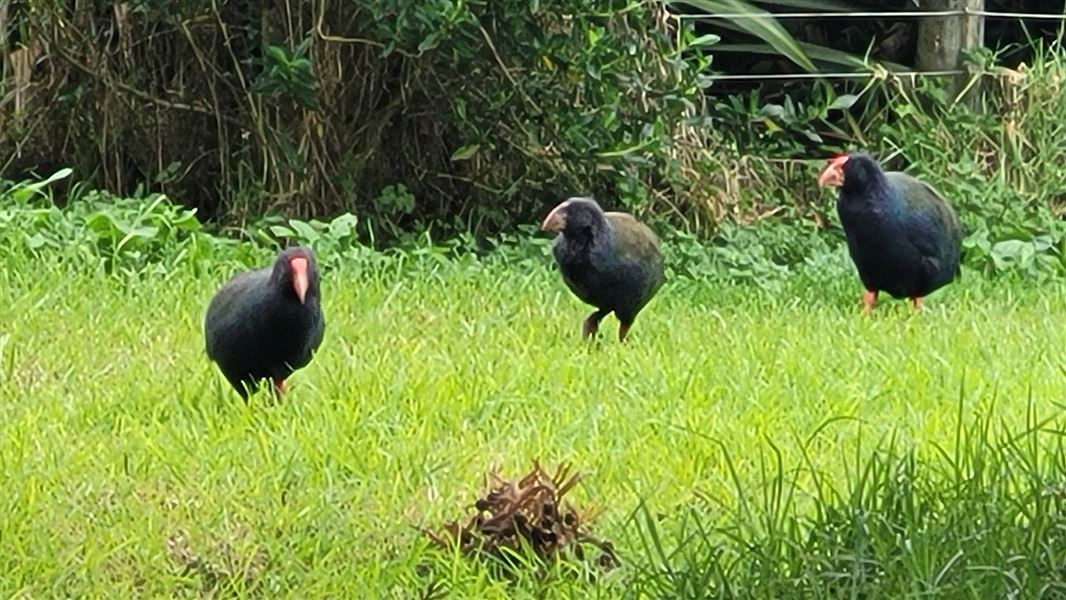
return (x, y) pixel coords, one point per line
(942, 40)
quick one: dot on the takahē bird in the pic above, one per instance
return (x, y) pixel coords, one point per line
(266, 323)
(903, 237)
(608, 259)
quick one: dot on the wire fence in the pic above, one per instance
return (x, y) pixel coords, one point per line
(912, 14)
(842, 75)
(876, 71)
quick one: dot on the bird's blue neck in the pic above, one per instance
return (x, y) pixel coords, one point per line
(584, 238)
(877, 194)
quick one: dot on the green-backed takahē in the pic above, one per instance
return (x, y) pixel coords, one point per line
(264, 324)
(903, 237)
(608, 259)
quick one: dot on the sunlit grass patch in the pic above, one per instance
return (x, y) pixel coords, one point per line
(130, 467)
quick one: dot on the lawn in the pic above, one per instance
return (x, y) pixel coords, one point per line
(129, 468)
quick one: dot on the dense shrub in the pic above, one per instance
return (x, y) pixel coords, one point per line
(401, 112)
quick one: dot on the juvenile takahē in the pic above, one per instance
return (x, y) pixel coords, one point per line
(903, 237)
(608, 259)
(265, 324)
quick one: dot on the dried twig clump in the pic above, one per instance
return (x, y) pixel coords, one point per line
(527, 514)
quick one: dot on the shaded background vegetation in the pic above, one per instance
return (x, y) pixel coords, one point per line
(459, 116)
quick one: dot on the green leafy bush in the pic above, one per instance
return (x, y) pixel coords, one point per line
(129, 236)
(470, 116)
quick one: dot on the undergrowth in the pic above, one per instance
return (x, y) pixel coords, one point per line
(152, 235)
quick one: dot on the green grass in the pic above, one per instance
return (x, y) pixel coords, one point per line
(123, 453)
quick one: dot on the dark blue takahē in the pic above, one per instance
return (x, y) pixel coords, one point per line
(903, 237)
(264, 324)
(608, 259)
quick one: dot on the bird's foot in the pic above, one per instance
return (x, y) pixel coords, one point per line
(916, 302)
(869, 299)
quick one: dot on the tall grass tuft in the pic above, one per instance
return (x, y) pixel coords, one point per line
(982, 517)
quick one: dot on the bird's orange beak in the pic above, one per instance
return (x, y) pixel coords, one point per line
(833, 173)
(298, 266)
(556, 219)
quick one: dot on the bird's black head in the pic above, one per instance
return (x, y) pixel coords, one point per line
(295, 273)
(576, 218)
(852, 173)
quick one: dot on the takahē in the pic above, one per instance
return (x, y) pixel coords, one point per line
(903, 237)
(608, 259)
(265, 324)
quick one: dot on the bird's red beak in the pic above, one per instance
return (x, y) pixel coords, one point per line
(833, 173)
(298, 266)
(556, 219)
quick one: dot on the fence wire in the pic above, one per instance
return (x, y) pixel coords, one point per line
(904, 14)
(842, 75)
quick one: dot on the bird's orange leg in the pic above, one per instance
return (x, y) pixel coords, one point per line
(592, 324)
(589, 328)
(869, 299)
(916, 302)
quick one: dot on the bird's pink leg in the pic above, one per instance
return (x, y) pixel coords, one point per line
(869, 299)
(916, 302)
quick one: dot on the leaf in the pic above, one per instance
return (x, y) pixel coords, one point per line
(1009, 253)
(466, 152)
(303, 230)
(24, 190)
(594, 35)
(282, 231)
(35, 241)
(187, 221)
(771, 126)
(705, 40)
(773, 110)
(102, 224)
(278, 54)
(431, 41)
(136, 233)
(343, 225)
(60, 174)
(813, 51)
(144, 232)
(843, 102)
(763, 26)
(818, 5)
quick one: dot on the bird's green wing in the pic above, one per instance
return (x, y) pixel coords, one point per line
(633, 238)
(635, 243)
(923, 201)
